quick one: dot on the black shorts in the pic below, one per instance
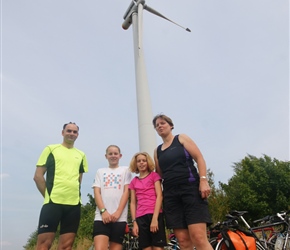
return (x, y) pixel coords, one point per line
(115, 231)
(52, 214)
(147, 238)
(184, 206)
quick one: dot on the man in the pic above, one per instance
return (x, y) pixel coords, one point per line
(64, 166)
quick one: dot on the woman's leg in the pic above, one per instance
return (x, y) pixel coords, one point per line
(198, 236)
(183, 239)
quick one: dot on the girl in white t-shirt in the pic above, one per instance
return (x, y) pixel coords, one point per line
(111, 196)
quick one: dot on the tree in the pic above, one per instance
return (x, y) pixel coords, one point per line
(218, 203)
(260, 186)
(87, 219)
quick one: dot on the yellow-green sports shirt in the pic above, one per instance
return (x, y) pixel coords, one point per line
(64, 166)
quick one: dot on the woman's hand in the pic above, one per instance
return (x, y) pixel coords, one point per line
(204, 188)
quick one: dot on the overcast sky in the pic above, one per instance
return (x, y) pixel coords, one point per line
(225, 84)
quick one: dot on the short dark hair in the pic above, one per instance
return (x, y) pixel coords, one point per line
(165, 118)
(64, 126)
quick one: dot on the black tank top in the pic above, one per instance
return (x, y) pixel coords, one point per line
(176, 164)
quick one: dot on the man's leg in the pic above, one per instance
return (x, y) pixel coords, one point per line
(48, 221)
(44, 241)
(69, 226)
(66, 241)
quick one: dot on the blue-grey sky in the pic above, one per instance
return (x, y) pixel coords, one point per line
(225, 84)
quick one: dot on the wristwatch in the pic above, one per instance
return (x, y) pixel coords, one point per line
(103, 210)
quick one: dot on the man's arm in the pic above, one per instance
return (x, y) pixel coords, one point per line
(81, 178)
(39, 179)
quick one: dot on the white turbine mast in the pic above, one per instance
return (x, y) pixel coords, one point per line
(134, 16)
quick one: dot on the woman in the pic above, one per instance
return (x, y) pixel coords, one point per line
(185, 189)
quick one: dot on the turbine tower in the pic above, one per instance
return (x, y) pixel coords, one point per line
(134, 16)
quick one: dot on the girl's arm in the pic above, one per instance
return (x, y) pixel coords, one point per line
(106, 217)
(133, 206)
(124, 199)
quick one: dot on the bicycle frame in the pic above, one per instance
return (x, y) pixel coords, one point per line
(267, 242)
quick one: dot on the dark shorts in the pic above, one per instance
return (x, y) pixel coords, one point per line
(184, 206)
(115, 231)
(147, 238)
(51, 215)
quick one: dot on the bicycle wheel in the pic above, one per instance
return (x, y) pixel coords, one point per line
(173, 244)
(134, 244)
(221, 245)
(125, 245)
(271, 242)
(259, 246)
(213, 241)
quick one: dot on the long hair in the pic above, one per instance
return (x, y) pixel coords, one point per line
(133, 164)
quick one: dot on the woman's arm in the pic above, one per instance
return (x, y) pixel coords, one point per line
(195, 153)
(157, 168)
(158, 190)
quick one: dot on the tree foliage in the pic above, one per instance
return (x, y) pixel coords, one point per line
(260, 186)
(218, 204)
(87, 219)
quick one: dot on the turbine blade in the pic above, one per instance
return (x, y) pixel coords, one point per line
(151, 10)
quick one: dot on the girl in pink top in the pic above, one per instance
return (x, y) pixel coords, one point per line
(146, 201)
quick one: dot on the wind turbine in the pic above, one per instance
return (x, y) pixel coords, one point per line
(134, 16)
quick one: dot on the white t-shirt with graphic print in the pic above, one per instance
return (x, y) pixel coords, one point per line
(112, 182)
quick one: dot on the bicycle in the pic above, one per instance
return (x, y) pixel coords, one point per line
(263, 243)
(268, 230)
(223, 242)
(278, 239)
(173, 243)
(130, 241)
(214, 234)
